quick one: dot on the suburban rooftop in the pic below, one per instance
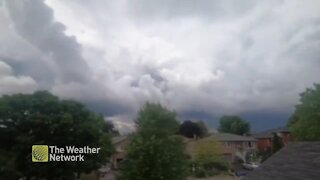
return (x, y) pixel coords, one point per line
(230, 137)
(299, 160)
(269, 133)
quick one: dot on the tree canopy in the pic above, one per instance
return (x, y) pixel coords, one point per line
(276, 143)
(305, 121)
(108, 127)
(234, 124)
(154, 151)
(203, 128)
(208, 151)
(42, 118)
(190, 129)
(208, 158)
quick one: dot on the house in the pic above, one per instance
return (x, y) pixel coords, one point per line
(296, 161)
(120, 143)
(231, 145)
(265, 138)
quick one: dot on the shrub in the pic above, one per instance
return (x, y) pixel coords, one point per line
(200, 172)
(220, 165)
(212, 172)
(209, 169)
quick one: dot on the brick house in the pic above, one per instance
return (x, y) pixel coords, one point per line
(265, 138)
(231, 145)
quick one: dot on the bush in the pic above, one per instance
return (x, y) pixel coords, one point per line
(212, 172)
(220, 165)
(200, 172)
(209, 169)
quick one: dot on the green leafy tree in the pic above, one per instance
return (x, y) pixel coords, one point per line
(234, 124)
(154, 152)
(108, 127)
(305, 122)
(208, 151)
(203, 128)
(208, 158)
(42, 118)
(191, 129)
(276, 143)
(292, 120)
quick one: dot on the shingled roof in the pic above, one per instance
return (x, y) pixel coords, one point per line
(118, 139)
(269, 133)
(229, 137)
(296, 161)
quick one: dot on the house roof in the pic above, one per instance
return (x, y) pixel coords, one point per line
(118, 139)
(229, 137)
(269, 133)
(300, 160)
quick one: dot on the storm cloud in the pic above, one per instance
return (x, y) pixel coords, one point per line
(200, 58)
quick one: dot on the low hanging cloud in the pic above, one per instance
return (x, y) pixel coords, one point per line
(11, 84)
(33, 21)
(201, 58)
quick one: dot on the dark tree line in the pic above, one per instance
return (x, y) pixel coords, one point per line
(234, 125)
(42, 118)
(192, 129)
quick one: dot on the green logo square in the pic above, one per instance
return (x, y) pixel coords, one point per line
(40, 153)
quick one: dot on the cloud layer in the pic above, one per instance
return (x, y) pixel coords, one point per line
(201, 58)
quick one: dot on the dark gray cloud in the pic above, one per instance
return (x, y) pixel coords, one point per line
(10, 83)
(200, 58)
(48, 57)
(34, 67)
(205, 9)
(34, 22)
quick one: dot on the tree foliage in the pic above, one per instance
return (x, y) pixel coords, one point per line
(234, 124)
(190, 129)
(207, 151)
(42, 118)
(108, 127)
(276, 143)
(292, 120)
(305, 122)
(154, 151)
(208, 158)
(203, 128)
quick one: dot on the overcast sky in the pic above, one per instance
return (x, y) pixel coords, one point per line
(202, 58)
